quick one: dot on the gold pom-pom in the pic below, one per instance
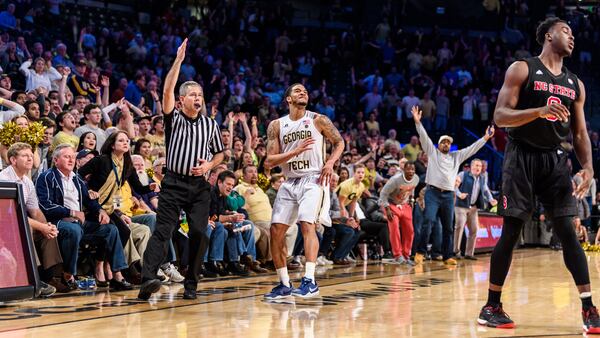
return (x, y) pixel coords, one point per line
(33, 135)
(8, 131)
(263, 182)
(150, 172)
(590, 247)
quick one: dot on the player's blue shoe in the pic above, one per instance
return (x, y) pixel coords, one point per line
(280, 291)
(308, 288)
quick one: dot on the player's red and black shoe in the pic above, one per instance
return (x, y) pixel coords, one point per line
(591, 320)
(494, 316)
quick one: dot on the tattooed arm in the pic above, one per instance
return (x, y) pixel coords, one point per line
(330, 132)
(274, 155)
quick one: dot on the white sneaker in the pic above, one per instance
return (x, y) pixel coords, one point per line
(350, 259)
(399, 260)
(173, 274)
(321, 260)
(161, 274)
(298, 259)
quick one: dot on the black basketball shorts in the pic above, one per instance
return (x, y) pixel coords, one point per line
(527, 173)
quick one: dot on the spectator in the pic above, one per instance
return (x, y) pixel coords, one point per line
(44, 233)
(63, 197)
(412, 150)
(135, 90)
(39, 74)
(441, 175)
(7, 17)
(92, 115)
(107, 175)
(275, 182)
(65, 124)
(347, 229)
(87, 141)
(241, 241)
(259, 211)
(472, 194)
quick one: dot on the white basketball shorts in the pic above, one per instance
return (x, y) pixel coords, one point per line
(302, 199)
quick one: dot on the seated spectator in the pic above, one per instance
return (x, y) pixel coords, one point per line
(275, 182)
(87, 141)
(350, 191)
(240, 241)
(143, 147)
(107, 175)
(83, 157)
(347, 229)
(63, 197)
(44, 233)
(93, 115)
(259, 210)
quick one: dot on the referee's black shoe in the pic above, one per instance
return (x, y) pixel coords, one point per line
(148, 288)
(190, 290)
(494, 316)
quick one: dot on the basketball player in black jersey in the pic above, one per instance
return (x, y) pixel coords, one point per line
(540, 102)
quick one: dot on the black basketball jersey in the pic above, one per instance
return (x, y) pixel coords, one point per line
(543, 88)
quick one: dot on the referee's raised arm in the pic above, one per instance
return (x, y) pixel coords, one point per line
(171, 80)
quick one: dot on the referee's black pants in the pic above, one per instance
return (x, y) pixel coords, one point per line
(192, 194)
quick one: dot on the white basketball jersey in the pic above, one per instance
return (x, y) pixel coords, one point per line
(291, 135)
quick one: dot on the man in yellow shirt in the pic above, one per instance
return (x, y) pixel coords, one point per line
(65, 124)
(351, 190)
(412, 150)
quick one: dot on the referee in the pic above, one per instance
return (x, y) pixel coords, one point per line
(194, 147)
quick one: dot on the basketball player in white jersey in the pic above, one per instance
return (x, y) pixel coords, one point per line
(296, 142)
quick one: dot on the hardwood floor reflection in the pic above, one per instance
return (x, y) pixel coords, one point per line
(367, 300)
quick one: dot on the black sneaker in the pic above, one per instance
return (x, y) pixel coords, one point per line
(237, 269)
(494, 316)
(148, 288)
(120, 285)
(591, 320)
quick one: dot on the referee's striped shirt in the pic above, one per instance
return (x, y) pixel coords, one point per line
(188, 140)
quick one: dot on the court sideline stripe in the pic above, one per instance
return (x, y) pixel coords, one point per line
(194, 304)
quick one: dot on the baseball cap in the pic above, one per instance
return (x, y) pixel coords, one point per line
(445, 137)
(83, 153)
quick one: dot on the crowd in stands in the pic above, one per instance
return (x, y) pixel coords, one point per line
(97, 91)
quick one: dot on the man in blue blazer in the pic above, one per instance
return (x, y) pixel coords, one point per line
(65, 201)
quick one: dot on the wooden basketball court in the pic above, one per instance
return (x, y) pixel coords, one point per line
(366, 300)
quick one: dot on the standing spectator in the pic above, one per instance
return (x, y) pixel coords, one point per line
(409, 101)
(472, 194)
(135, 90)
(395, 199)
(442, 111)
(440, 178)
(65, 124)
(7, 17)
(412, 150)
(372, 100)
(39, 74)
(428, 107)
